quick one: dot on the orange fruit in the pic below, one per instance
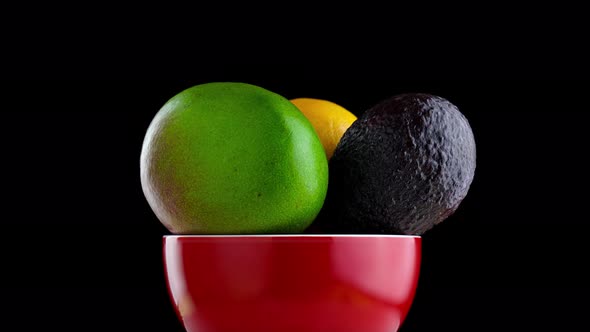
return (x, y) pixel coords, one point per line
(329, 120)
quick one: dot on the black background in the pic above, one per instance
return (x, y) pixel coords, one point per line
(81, 249)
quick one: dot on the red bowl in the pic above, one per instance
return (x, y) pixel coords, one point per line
(292, 282)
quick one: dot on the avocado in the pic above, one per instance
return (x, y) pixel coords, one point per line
(404, 166)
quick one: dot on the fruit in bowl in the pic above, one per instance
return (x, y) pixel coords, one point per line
(402, 168)
(330, 120)
(233, 158)
(238, 172)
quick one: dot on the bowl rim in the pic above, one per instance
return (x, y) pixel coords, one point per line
(172, 236)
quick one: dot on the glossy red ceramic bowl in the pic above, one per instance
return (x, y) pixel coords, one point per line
(303, 283)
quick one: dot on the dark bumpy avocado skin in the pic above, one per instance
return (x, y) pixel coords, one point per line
(401, 168)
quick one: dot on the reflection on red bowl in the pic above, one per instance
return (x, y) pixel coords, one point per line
(292, 282)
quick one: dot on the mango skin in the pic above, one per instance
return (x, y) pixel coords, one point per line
(233, 158)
